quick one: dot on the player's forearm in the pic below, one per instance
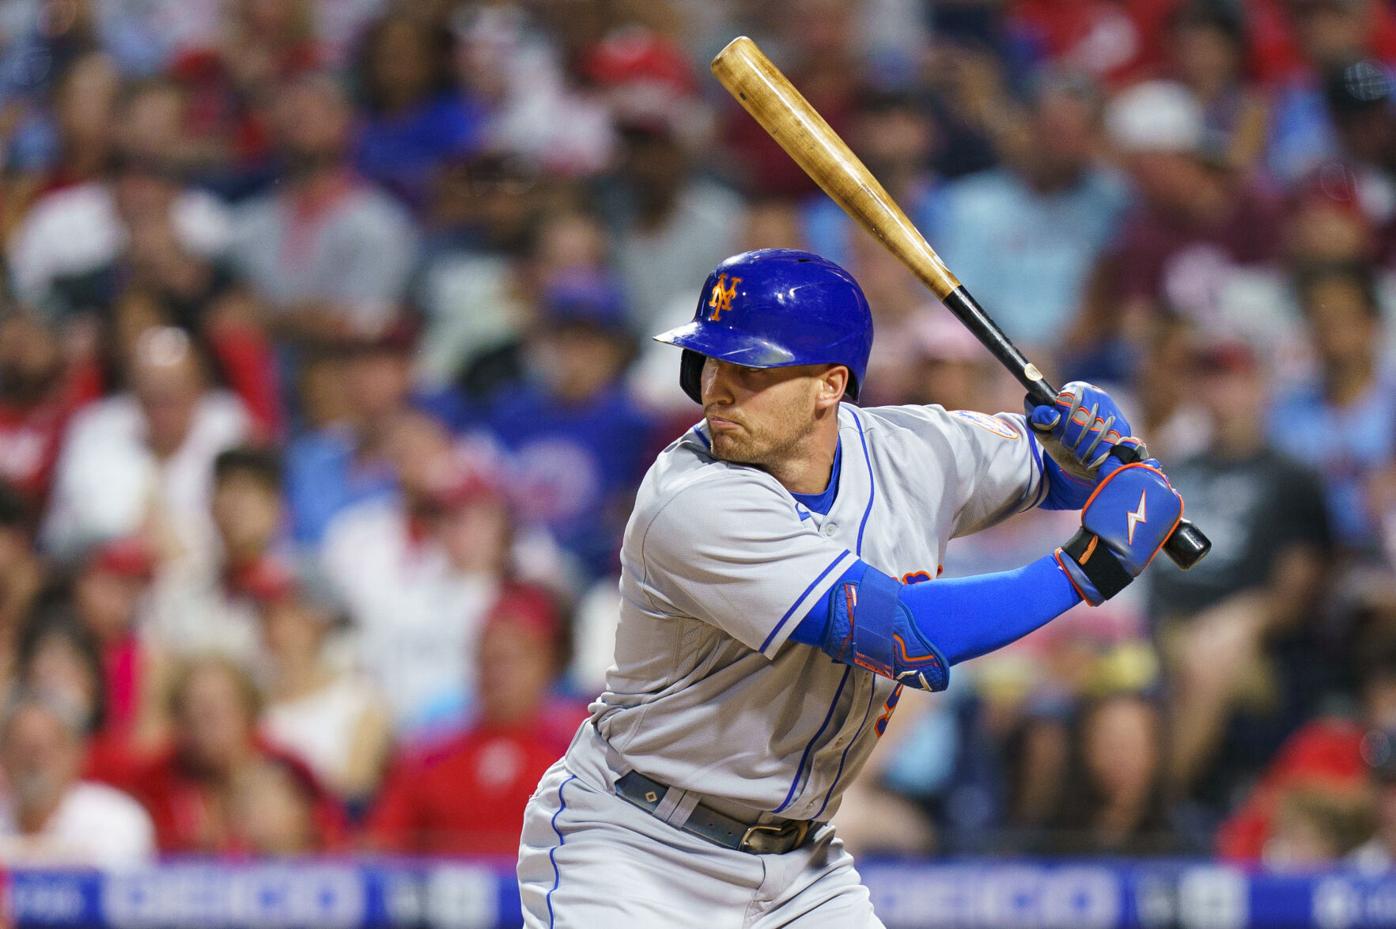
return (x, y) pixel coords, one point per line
(912, 633)
(971, 616)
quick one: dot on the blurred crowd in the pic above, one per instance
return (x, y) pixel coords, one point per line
(325, 385)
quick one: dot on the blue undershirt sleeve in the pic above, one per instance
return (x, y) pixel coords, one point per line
(951, 619)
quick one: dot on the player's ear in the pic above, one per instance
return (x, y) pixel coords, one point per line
(833, 382)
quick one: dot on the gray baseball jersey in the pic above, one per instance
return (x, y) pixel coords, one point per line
(720, 563)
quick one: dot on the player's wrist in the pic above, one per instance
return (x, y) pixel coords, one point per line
(1065, 491)
(1092, 568)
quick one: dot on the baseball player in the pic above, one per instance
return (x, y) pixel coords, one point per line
(771, 612)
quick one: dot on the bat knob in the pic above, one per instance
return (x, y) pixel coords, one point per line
(1187, 545)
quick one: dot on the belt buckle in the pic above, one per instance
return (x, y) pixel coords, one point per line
(771, 830)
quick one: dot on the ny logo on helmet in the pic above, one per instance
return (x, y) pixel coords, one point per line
(721, 299)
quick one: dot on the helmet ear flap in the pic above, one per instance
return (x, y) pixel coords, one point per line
(691, 375)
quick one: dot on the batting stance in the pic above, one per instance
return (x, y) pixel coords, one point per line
(770, 613)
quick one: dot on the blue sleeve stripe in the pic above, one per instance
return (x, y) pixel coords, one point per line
(800, 771)
(552, 852)
(872, 483)
(844, 757)
(801, 599)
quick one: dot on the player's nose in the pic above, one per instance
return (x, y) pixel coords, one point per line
(715, 385)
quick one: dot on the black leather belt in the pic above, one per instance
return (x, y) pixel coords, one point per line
(717, 828)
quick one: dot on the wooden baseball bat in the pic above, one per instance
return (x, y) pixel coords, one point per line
(787, 116)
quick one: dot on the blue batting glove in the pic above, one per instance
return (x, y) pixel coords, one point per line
(1131, 514)
(1086, 422)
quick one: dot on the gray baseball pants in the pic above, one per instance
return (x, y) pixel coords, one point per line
(590, 860)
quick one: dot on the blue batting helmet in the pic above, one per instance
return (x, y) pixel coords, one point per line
(774, 308)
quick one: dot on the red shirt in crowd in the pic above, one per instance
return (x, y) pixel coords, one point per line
(31, 434)
(190, 816)
(216, 106)
(1275, 56)
(467, 795)
(1325, 752)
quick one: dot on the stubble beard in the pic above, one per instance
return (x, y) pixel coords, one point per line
(767, 447)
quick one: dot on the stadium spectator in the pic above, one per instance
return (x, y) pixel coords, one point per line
(232, 84)
(204, 605)
(329, 253)
(1315, 827)
(1236, 633)
(1116, 804)
(1024, 236)
(1325, 756)
(36, 53)
(1378, 854)
(22, 574)
(340, 461)
(191, 788)
(1341, 421)
(40, 391)
(898, 302)
(415, 611)
(332, 719)
(934, 360)
(539, 109)
(274, 807)
(562, 246)
(471, 284)
(61, 658)
(81, 228)
(575, 440)
(142, 460)
(1326, 227)
(479, 293)
(1167, 410)
(466, 795)
(1292, 38)
(151, 129)
(416, 118)
(1206, 52)
(1195, 225)
(1317, 38)
(107, 598)
(156, 277)
(49, 816)
(1361, 102)
(670, 225)
(72, 145)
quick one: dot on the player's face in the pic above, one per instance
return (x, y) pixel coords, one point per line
(759, 416)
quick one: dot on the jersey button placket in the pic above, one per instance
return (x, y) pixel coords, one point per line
(828, 528)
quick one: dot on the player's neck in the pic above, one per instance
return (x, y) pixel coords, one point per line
(807, 468)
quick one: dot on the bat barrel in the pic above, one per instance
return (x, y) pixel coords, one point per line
(795, 125)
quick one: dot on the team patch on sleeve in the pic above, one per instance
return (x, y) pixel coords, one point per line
(990, 423)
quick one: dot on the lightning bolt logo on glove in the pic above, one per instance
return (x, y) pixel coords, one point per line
(1135, 518)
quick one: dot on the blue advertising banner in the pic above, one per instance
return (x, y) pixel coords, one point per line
(359, 894)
